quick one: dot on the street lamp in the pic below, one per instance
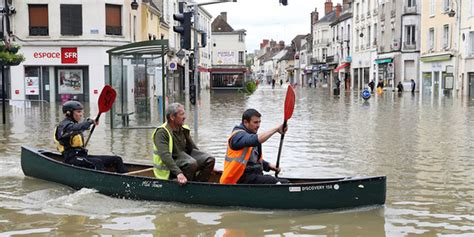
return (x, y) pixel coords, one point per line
(134, 5)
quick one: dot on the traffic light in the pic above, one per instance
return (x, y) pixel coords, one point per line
(192, 94)
(184, 29)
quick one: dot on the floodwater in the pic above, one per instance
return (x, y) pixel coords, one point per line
(424, 145)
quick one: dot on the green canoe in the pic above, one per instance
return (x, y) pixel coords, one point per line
(140, 184)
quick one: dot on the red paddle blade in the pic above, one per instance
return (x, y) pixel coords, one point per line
(106, 99)
(289, 102)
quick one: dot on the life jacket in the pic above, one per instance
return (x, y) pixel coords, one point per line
(235, 162)
(159, 167)
(74, 141)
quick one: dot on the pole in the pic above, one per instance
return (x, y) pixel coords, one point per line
(3, 95)
(196, 73)
(163, 84)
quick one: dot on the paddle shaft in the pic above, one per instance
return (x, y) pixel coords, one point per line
(279, 148)
(92, 130)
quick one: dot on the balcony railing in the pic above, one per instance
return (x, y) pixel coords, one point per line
(382, 17)
(410, 10)
(375, 11)
(368, 14)
(330, 59)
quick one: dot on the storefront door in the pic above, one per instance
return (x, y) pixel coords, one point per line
(427, 83)
(436, 85)
(471, 84)
(37, 83)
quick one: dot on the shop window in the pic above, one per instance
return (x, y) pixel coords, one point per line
(71, 19)
(113, 19)
(38, 19)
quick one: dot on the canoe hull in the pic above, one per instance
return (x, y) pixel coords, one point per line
(314, 194)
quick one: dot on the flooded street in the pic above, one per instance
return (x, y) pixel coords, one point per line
(424, 145)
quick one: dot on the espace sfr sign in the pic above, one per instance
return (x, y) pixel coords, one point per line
(67, 55)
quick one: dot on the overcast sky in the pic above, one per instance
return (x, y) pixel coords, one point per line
(267, 19)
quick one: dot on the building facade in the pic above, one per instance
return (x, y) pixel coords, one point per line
(228, 52)
(364, 42)
(439, 34)
(465, 13)
(65, 46)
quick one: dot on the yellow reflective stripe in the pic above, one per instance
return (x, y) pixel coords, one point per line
(160, 167)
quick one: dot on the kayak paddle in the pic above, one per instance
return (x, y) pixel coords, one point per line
(106, 100)
(289, 107)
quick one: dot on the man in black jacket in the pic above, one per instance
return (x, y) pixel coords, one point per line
(69, 140)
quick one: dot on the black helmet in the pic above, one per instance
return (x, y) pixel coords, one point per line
(71, 106)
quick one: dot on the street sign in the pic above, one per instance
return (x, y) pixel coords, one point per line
(173, 65)
(180, 54)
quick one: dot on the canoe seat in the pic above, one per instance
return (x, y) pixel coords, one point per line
(143, 172)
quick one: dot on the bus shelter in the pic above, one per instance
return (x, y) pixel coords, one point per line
(137, 73)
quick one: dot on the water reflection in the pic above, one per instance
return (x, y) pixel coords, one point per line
(423, 144)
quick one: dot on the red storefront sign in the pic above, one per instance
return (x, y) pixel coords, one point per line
(69, 55)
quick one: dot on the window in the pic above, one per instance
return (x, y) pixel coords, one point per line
(410, 33)
(113, 19)
(445, 36)
(38, 19)
(446, 5)
(471, 42)
(368, 35)
(375, 34)
(411, 3)
(241, 57)
(241, 37)
(432, 7)
(472, 7)
(357, 39)
(431, 38)
(71, 19)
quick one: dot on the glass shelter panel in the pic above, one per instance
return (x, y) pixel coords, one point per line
(137, 76)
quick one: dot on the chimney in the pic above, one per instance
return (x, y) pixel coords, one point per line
(272, 44)
(281, 44)
(265, 42)
(314, 17)
(328, 7)
(224, 16)
(346, 4)
(338, 10)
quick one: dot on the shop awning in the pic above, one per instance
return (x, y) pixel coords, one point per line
(436, 58)
(383, 60)
(344, 65)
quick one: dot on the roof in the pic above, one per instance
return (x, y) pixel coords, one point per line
(220, 25)
(342, 18)
(297, 41)
(142, 47)
(328, 18)
(289, 55)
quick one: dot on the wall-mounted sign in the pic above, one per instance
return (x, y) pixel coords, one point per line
(69, 55)
(226, 57)
(31, 86)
